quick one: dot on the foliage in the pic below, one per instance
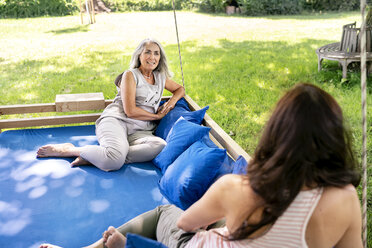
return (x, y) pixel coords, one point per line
(147, 5)
(285, 7)
(331, 5)
(211, 5)
(270, 7)
(31, 8)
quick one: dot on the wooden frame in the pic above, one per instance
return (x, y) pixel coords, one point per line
(96, 101)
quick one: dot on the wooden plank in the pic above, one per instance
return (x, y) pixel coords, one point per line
(47, 121)
(220, 135)
(29, 108)
(78, 102)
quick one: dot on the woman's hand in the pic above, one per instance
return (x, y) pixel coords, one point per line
(166, 107)
(160, 114)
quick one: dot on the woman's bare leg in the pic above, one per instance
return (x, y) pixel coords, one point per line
(58, 150)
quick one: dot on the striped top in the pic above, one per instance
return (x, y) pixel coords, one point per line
(288, 231)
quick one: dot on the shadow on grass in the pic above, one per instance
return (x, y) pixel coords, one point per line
(80, 28)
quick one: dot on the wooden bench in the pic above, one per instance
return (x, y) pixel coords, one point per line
(346, 51)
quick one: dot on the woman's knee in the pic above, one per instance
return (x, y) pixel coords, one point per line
(114, 159)
(157, 144)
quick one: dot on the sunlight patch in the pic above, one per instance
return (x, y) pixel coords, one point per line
(29, 96)
(107, 183)
(13, 219)
(38, 192)
(42, 169)
(33, 183)
(98, 206)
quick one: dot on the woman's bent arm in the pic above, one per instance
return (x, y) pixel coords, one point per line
(206, 210)
(177, 93)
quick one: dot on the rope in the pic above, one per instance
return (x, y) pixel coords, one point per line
(178, 42)
(363, 69)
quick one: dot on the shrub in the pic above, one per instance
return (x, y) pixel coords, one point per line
(211, 5)
(146, 5)
(270, 7)
(31, 8)
(331, 5)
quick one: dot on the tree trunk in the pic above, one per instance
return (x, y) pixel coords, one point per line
(99, 6)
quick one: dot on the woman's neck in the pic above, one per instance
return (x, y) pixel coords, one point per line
(146, 73)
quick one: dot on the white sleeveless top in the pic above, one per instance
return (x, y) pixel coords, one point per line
(288, 231)
(148, 97)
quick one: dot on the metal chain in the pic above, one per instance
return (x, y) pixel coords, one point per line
(178, 42)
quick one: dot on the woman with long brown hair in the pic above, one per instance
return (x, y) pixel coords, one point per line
(299, 190)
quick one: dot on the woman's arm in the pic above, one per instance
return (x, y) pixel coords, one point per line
(209, 209)
(177, 93)
(128, 92)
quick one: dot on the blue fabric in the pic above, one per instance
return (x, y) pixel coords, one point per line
(183, 134)
(240, 166)
(47, 201)
(191, 174)
(229, 165)
(137, 241)
(180, 103)
(167, 122)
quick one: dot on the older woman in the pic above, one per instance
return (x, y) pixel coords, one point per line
(125, 128)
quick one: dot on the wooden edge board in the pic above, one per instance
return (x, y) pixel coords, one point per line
(38, 108)
(27, 108)
(220, 135)
(46, 121)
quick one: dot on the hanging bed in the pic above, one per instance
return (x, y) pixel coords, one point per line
(46, 200)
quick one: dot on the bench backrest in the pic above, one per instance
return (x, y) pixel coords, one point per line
(351, 38)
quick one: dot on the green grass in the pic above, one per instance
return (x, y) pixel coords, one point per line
(239, 66)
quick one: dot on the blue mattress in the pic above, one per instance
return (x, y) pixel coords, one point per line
(45, 200)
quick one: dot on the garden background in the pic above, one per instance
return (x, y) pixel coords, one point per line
(239, 65)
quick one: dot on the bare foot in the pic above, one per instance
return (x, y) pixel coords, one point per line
(112, 238)
(58, 150)
(48, 246)
(79, 161)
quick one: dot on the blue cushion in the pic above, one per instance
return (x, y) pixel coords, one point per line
(229, 165)
(180, 103)
(240, 166)
(137, 241)
(182, 135)
(191, 174)
(167, 122)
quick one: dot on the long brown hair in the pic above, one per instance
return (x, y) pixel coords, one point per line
(304, 143)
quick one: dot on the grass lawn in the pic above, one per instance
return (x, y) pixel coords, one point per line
(239, 66)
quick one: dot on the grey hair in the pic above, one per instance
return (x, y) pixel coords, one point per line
(162, 66)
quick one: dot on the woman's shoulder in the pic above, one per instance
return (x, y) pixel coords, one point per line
(338, 209)
(332, 195)
(236, 186)
(337, 201)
